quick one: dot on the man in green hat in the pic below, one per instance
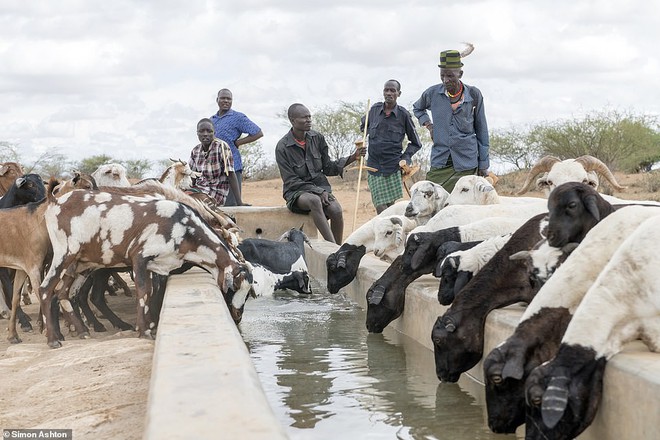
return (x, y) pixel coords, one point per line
(458, 126)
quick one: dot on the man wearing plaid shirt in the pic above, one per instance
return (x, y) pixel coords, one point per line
(213, 158)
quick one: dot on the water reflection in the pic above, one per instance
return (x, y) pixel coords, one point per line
(325, 376)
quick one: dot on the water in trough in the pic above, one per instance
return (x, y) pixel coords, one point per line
(327, 378)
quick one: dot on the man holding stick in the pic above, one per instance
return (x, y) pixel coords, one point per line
(303, 159)
(388, 124)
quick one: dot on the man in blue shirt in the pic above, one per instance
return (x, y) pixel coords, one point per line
(229, 126)
(389, 123)
(459, 130)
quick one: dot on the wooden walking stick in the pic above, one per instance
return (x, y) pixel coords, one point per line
(361, 143)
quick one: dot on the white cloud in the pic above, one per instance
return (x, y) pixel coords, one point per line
(131, 79)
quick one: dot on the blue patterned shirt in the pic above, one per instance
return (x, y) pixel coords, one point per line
(229, 127)
(463, 132)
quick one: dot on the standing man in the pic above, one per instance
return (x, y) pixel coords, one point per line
(229, 126)
(303, 160)
(459, 130)
(388, 124)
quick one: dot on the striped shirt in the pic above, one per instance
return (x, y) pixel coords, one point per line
(214, 180)
(229, 127)
(462, 132)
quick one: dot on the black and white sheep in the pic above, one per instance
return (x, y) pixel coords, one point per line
(543, 323)
(622, 305)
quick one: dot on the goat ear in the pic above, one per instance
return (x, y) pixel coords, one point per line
(592, 206)
(396, 221)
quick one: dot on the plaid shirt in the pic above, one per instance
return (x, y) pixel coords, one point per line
(230, 127)
(463, 132)
(214, 180)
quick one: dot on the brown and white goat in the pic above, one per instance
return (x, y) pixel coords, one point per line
(90, 229)
(9, 171)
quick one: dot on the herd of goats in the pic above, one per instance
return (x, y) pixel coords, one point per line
(585, 263)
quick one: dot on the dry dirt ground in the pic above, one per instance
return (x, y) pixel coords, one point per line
(98, 387)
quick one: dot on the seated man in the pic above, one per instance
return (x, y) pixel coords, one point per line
(212, 157)
(303, 160)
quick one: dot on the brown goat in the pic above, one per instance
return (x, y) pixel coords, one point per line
(9, 172)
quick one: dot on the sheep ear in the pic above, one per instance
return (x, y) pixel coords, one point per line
(554, 401)
(461, 280)
(569, 247)
(396, 221)
(592, 206)
(513, 365)
(419, 256)
(375, 294)
(522, 255)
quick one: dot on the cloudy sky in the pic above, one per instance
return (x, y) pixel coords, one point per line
(131, 78)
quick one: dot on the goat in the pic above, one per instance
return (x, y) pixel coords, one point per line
(111, 174)
(282, 256)
(265, 282)
(458, 268)
(537, 336)
(78, 181)
(25, 189)
(386, 296)
(584, 169)
(90, 229)
(179, 175)
(9, 171)
(621, 305)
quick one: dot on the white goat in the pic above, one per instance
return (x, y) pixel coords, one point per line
(179, 175)
(111, 174)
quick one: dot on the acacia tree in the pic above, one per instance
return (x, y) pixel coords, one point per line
(512, 146)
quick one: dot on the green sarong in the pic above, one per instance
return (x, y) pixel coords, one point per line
(447, 177)
(385, 189)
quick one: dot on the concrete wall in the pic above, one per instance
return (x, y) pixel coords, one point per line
(203, 383)
(630, 408)
(270, 222)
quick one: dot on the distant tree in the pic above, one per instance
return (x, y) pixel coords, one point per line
(512, 146)
(253, 158)
(9, 152)
(90, 164)
(622, 140)
(53, 165)
(136, 168)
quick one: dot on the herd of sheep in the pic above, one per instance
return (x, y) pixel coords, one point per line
(583, 262)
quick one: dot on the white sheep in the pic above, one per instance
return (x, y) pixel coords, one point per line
(584, 169)
(111, 174)
(622, 305)
(426, 199)
(477, 190)
(390, 233)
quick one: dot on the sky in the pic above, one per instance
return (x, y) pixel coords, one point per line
(131, 78)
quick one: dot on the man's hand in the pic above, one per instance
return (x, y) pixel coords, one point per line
(429, 127)
(360, 150)
(483, 173)
(325, 198)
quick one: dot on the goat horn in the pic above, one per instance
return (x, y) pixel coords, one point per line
(591, 163)
(468, 49)
(542, 166)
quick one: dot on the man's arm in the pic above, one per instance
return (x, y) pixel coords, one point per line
(248, 139)
(414, 142)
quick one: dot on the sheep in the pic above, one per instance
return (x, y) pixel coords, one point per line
(622, 305)
(477, 190)
(386, 296)
(537, 336)
(584, 169)
(111, 174)
(574, 208)
(342, 265)
(426, 199)
(384, 307)
(90, 229)
(458, 268)
(9, 171)
(390, 234)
